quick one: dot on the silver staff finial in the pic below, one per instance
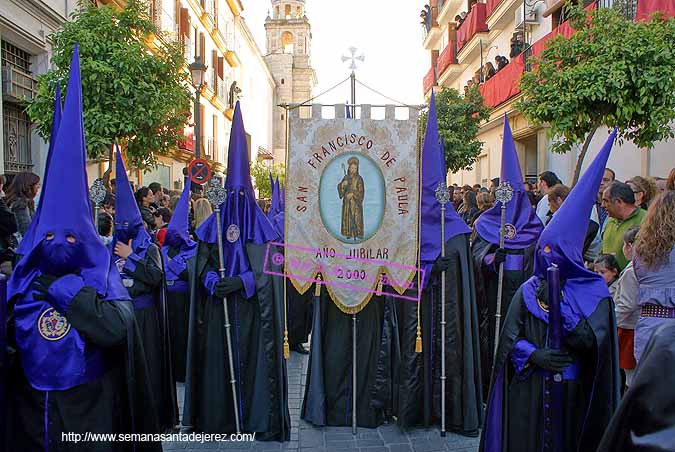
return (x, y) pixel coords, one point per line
(97, 191)
(443, 193)
(215, 193)
(504, 193)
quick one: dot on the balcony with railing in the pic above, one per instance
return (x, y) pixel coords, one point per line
(210, 78)
(209, 146)
(220, 89)
(446, 59)
(210, 12)
(472, 25)
(188, 49)
(17, 84)
(429, 80)
(187, 143)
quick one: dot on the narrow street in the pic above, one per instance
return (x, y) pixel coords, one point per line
(307, 438)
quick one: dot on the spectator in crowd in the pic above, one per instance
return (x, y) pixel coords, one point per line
(531, 194)
(164, 202)
(607, 179)
(7, 229)
(517, 44)
(174, 201)
(202, 211)
(471, 210)
(144, 198)
(670, 183)
(20, 199)
(458, 21)
(488, 71)
(607, 267)
(157, 193)
(501, 62)
(472, 3)
(113, 185)
(105, 228)
(484, 201)
(619, 202)
(476, 188)
(644, 189)
(556, 197)
(654, 262)
(494, 183)
(457, 198)
(627, 309)
(162, 217)
(547, 180)
(108, 204)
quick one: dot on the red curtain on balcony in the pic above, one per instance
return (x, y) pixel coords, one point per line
(446, 58)
(504, 84)
(428, 81)
(646, 8)
(491, 6)
(474, 23)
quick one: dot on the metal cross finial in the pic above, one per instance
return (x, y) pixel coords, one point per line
(97, 191)
(353, 58)
(504, 193)
(215, 193)
(442, 193)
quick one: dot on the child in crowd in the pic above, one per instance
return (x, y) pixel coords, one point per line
(607, 267)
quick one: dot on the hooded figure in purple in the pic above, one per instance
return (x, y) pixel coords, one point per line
(255, 306)
(521, 233)
(77, 362)
(178, 250)
(516, 416)
(419, 377)
(139, 262)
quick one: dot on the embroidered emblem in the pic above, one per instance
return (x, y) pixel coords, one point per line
(119, 263)
(127, 282)
(232, 233)
(509, 231)
(52, 325)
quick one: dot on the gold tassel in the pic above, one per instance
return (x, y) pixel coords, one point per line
(317, 287)
(379, 286)
(287, 348)
(418, 341)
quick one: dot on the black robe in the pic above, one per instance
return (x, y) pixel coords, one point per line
(516, 400)
(645, 419)
(178, 307)
(487, 277)
(329, 387)
(257, 335)
(420, 389)
(299, 313)
(153, 323)
(120, 401)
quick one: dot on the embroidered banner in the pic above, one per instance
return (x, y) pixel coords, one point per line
(352, 203)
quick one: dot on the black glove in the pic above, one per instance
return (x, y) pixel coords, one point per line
(41, 285)
(553, 360)
(500, 256)
(227, 286)
(440, 265)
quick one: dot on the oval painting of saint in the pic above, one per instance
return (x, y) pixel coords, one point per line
(351, 197)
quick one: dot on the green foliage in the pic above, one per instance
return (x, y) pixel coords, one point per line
(260, 172)
(131, 95)
(459, 121)
(613, 72)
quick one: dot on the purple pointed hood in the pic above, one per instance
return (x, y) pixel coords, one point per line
(282, 199)
(433, 173)
(275, 207)
(562, 244)
(65, 211)
(178, 237)
(128, 221)
(56, 121)
(242, 219)
(523, 225)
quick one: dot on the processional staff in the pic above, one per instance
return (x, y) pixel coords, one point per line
(503, 195)
(97, 193)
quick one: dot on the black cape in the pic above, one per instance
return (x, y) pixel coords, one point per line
(155, 331)
(299, 312)
(645, 419)
(120, 401)
(178, 308)
(420, 389)
(260, 368)
(486, 296)
(329, 385)
(515, 411)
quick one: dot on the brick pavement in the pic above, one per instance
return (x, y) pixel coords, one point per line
(307, 438)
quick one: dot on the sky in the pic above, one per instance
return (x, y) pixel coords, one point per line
(387, 32)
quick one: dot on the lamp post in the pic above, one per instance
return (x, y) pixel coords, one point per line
(198, 69)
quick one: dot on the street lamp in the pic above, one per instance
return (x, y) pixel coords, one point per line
(198, 69)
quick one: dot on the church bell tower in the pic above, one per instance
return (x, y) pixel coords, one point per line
(289, 44)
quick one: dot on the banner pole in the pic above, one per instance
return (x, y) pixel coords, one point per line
(354, 374)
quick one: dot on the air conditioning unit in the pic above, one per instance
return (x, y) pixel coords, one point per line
(530, 15)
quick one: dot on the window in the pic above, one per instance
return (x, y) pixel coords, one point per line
(288, 11)
(282, 81)
(287, 41)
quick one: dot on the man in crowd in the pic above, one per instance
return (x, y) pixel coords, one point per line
(619, 202)
(157, 194)
(607, 178)
(547, 180)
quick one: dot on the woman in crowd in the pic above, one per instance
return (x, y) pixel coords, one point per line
(484, 201)
(626, 309)
(607, 267)
(202, 211)
(654, 262)
(145, 197)
(670, 184)
(21, 198)
(471, 210)
(644, 189)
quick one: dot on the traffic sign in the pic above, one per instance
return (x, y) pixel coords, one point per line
(199, 171)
